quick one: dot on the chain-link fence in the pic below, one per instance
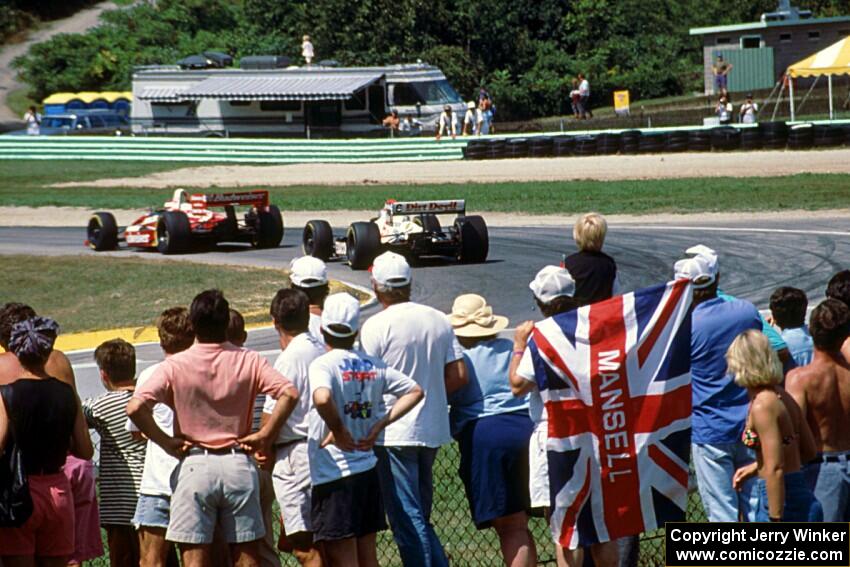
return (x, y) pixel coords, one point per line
(467, 546)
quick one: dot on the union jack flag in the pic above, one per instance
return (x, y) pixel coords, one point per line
(615, 380)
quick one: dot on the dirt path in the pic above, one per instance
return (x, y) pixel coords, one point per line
(79, 22)
(606, 168)
(295, 220)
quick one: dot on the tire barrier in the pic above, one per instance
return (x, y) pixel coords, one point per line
(563, 145)
(607, 144)
(765, 135)
(630, 141)
(774, 135)
(751, 139)
(540, 146)
(801, 137)
(725, 138)
(654, 143)
(585, 146)
(677, 141)
(826, 136)
(516, 148)
(476, 149)
(496, 148)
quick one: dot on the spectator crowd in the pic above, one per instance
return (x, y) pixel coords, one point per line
(344, 428)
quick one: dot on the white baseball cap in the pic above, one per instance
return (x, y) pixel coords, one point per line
(709, 254)
(308, 271)
(341, 309)
(699, 270)
(391, 269)
(552, 282)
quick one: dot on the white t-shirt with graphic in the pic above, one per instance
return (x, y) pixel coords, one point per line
(418, 341)
(294, 363)
(357, 383)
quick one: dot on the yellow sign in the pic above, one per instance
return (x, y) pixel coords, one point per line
(621, 102)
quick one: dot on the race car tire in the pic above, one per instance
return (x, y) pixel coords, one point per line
(474, 239)
(173, 233)
(318, 239)
(269, 228)
(102, 232)
(363, 244)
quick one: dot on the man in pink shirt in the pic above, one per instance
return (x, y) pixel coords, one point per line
(211, 387)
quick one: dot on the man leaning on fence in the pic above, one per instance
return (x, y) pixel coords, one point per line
(211, 388)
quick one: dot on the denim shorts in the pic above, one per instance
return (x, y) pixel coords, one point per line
(800, 503)
(829, 479)
(152, 512)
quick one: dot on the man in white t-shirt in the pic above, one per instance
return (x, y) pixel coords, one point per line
(310, 275)
(290, 311)
(447, 124)
(470, 120)
(418, 341)
(349, 414)
(154, 504)
(554, 292)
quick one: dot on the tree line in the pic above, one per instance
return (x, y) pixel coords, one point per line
(526, 52)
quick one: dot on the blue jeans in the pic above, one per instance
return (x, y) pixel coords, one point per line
(800, 503)
(407, 488)
(830, 482)
(715, 465)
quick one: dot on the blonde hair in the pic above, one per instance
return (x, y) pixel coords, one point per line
(589, 232)
(752, 361)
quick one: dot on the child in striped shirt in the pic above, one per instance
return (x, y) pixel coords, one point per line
(122, 458)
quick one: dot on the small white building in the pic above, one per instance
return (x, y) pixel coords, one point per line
(296, 101)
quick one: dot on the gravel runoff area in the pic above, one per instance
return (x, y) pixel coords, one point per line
(603, 168)
(295, 220)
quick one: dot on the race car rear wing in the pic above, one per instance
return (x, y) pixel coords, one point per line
(433, 207)
(259, 199)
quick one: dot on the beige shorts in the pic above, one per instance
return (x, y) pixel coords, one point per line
(292, 487)
(538, 467)
(214, 489)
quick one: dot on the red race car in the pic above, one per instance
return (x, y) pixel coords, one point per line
(186, 222)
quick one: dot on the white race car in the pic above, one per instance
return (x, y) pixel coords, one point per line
(410, 228)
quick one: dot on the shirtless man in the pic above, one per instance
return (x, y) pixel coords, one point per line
(822, 390)
(839, 288)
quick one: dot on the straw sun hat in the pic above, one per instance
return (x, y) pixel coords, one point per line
(472, 317)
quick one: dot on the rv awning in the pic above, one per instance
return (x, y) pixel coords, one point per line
(308, 86)
(162, 94)
(834, 60)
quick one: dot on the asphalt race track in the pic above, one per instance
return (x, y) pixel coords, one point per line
(755, 258)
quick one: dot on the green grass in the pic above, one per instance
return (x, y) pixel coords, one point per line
(93, 293)
(26, 184)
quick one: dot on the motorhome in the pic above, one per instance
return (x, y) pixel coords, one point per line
(312, 101)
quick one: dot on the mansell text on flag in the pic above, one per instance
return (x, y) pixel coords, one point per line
(615, 379)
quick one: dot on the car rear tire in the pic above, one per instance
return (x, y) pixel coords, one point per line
(318, 239)
(474, 239)
(363, 243)
(269, 229)
(173, 233)
(102, 232)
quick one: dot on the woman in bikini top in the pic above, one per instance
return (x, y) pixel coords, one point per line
(774, 429)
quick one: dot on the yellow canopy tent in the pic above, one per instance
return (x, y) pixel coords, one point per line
(834, 60)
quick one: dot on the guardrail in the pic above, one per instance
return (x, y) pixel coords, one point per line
(229, 150)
